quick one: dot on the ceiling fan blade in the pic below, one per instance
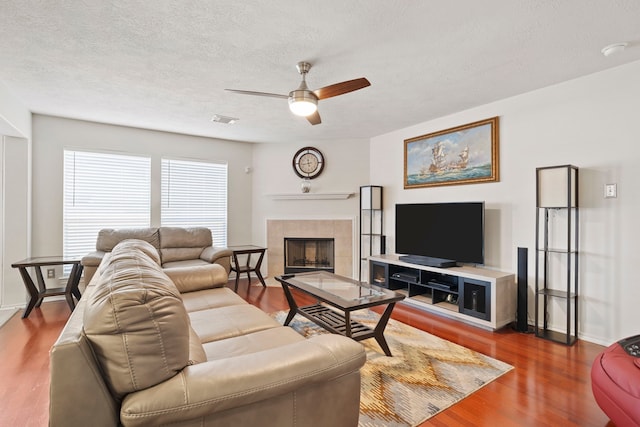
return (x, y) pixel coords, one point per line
(249, 92)
(314, 118)
(341, 88)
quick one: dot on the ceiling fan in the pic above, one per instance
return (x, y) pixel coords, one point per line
(303, 101)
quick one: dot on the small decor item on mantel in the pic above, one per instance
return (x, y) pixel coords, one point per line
(466, 154)
(306, 185)
(308, 162)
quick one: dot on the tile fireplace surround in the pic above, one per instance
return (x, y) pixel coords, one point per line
(340, 229)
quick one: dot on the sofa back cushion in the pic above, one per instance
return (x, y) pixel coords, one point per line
(136, 323)
(179, 244)
(123, 251)
(125, 248)
(108, 238)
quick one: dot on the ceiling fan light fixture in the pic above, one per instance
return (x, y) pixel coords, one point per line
(303, 102)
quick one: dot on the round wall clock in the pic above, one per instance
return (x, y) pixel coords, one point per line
(308, 162)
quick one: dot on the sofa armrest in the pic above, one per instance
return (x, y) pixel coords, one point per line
(219, 385)
(197, 277)
(90, 262)
(213, 253)
(92, 259)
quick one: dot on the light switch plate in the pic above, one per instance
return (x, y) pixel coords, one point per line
(610, 191)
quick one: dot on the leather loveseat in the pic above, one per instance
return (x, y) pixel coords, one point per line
(177, 246)
(144, 349)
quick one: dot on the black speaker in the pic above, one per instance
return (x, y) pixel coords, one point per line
(523, 289)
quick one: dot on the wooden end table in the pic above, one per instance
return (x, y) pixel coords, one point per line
(38, 293)
(247, 268)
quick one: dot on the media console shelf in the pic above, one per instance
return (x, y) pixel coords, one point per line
(483, 297)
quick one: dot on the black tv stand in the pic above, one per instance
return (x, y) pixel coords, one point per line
(428, 261)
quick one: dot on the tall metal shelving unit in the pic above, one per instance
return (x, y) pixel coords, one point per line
(557, 215)
(372, 241)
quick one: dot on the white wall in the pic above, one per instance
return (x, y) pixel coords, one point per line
(591, 122)
(51, 135)
(14, 217)
(588, 122)
(15, 118)
(346, 169)
(15, 182)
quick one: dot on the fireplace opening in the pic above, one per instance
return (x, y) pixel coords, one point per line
(308, 254)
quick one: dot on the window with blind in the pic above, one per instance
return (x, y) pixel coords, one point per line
(103, 191)
(195, 194)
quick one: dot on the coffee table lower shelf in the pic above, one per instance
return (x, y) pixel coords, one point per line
(335, 322)
(342, 324)
(336, 297)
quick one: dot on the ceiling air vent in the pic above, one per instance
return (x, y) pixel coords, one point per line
(224, 119)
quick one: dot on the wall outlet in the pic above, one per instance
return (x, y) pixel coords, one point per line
(51, 273)
(610, 191)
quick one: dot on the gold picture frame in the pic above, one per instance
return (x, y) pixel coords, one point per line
(466, 154)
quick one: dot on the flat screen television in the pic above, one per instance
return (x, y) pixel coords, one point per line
(450, 231)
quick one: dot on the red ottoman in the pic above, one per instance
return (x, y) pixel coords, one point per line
(615, 380)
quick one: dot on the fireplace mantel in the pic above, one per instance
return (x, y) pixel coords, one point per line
(311, 196)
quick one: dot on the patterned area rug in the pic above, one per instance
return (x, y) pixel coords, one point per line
(425, 375)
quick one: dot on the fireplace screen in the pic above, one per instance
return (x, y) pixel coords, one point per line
(302, 255)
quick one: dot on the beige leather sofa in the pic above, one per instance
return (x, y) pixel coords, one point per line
(143, 348)
(178, 247)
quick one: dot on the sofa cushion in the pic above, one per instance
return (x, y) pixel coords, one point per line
(211, 298)
(108, 238)
(184, 237)
(136, 323)
(251, 343)
(185, 263)
(179, 243)
(180, 254)
(232, 321)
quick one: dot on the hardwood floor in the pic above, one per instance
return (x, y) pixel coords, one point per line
(550, 385)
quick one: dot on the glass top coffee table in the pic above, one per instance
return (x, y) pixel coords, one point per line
(345, 295)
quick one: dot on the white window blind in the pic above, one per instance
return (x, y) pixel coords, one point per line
(195, 194)
(103, 191)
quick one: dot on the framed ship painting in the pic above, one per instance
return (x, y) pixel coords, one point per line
(465, 154)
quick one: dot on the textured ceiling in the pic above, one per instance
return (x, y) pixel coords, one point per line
(165, 64)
